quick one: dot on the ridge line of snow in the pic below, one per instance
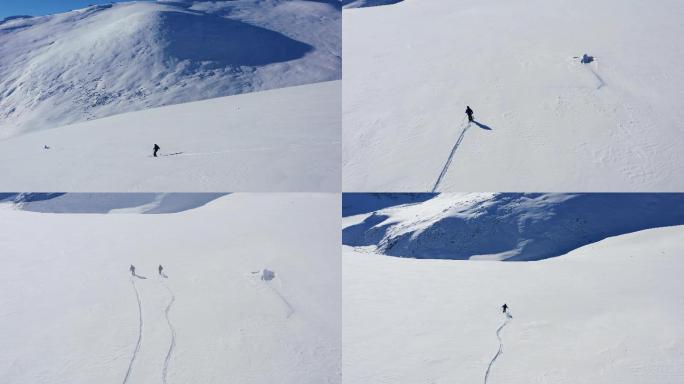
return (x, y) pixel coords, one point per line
(500, 351)
(140, 327)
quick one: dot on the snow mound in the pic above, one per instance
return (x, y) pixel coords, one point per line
(148, 203)
(515, 227)
(104, 60)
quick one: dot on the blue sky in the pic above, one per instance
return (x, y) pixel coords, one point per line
(43, 7)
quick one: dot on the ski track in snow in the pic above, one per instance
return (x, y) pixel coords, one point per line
(290, 309)
(451, 157)
(500, 351)
(596, 75)
(172, 345)
(140, 328)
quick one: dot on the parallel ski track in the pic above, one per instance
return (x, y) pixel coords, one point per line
(451, 157)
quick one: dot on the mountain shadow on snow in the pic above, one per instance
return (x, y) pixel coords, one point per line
(201, 38)
(511, 227)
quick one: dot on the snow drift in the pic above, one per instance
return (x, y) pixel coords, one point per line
(150, 203)
(507, 226)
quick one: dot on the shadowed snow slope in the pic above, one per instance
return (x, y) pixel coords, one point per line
(279, 140)
(367, 3)
(606, 313)
(108, 202)
(70, 313)
(108, 59)
(546, 121)
(508, 226)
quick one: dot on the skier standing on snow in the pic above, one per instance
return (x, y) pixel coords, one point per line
(132, 269)
(504, 307)
(156, 149)
(469, 112)
(160, 270)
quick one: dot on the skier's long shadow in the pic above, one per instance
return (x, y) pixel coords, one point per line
(483, 126)
(140, 277)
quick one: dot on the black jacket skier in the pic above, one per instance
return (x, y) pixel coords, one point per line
(469, 112)
(160, 270)
(156, 149)
(504, 307)
(132, 269)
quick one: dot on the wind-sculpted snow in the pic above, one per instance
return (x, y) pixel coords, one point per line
(510, 226)
(149, 203)
(104, 60)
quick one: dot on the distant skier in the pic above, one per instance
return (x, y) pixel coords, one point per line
(156, 149)
(160, 270)
(504, 307)
(469, 112)
(132, 269)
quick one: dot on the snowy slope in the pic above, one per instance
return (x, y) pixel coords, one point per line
(504, 226)
(149, 203)
(72, 313)
(109, 59)
(279, 140)
(367, 3)
(603, 314)
(546, 122)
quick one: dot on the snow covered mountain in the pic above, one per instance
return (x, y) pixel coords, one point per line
(504, 226)
(606, 313)
(272, 141)
(108, 59)
(250, 293)
(544, 121)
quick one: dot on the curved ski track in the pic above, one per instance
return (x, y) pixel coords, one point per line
(172, 345)
(500, 351)
(140, 327)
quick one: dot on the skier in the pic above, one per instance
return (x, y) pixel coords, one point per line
(160, 270)
(156, 149)
(504, 307)
(132, 269)
(469, 112)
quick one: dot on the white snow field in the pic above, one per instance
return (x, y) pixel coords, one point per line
(606, 313)
(108, 59)
(278, 140)
(545, 122)
(250, 294)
